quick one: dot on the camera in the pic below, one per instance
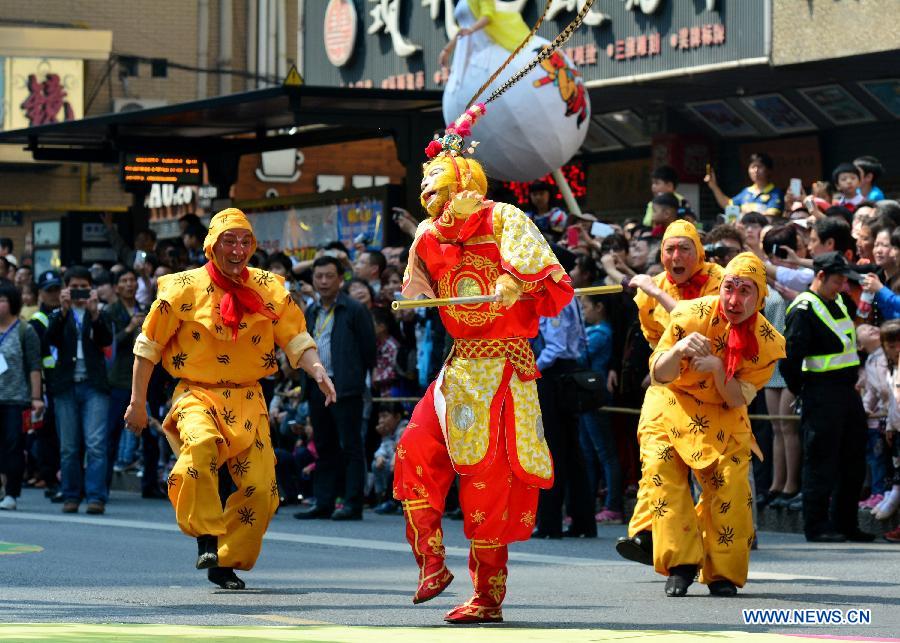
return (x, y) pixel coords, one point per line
(718, 250)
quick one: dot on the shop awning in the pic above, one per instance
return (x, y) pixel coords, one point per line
(237, 124)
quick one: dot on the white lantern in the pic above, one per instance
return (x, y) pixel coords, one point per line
(537, 125)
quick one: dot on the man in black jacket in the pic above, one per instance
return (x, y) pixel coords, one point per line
(80, 390)
(345, 336)
(821, 370)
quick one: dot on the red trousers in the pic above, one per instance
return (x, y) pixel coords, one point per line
(496, 505)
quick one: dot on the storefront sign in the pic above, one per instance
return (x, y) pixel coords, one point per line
(139, 169)
(39, 91)
(167, 195)
(403, 38)
(340, 31)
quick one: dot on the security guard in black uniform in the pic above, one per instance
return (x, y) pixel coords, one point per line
(821, 370)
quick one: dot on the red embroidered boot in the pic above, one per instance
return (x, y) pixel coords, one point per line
(487, 565)
(423, 531)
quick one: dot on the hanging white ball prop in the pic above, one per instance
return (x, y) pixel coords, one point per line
(537, 125)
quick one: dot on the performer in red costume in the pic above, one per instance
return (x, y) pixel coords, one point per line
(480, 418)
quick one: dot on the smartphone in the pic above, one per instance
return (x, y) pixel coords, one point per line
(80, 293)
(572, 237)
(796, 187)
(732, 213)
(708, 168)
(779, 251)
(601, 230)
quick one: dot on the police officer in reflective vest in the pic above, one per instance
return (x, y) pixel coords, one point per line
(821, 370)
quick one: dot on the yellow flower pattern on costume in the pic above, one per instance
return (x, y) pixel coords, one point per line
(511, 227)
(478, 516)
(527, 518)
(498, 586)
(531, 448)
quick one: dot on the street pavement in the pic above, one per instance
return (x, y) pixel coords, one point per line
(79, 577)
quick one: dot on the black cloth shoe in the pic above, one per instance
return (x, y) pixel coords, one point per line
(827, 537)
(858, 536)
(346, 513)
(638, 548)
(722, 588)
(207, 552)
(681, 577)
(313, 512)
(545, 535)
(225, 578)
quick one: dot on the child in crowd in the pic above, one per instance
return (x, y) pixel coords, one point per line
(870, 170)
(877, 398)
(390, 427)
(387, 348)
(890, 342)
(846, 178)
(596, 435)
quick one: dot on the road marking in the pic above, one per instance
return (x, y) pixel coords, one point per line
(288, 620)
(10, 549)
(327, 541)
(365, 634)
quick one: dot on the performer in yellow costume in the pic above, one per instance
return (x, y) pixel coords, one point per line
(714, 356)
(687, 276)
(481, 418)
(215, 329)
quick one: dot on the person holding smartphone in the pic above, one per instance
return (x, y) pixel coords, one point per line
(80, 390)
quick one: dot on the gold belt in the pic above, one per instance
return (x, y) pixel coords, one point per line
(516, 349)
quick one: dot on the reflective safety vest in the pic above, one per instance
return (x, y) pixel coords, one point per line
(48, 361)
(843, 328)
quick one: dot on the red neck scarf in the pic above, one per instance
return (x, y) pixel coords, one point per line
(237, 300)
(691, 288)
(741, 345)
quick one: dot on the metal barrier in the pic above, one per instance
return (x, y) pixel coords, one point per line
(629, 411)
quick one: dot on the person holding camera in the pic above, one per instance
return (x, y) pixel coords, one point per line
(80, 390)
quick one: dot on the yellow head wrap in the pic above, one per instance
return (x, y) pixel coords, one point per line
(748, 266)
(227, 219)
(682, 228)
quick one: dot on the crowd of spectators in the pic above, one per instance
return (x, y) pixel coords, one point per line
(66, 338)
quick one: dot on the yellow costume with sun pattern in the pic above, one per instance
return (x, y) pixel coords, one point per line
(219, 416)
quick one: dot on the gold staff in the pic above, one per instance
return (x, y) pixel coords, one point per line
(405, 304)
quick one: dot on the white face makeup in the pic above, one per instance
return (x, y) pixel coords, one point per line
(738, 297)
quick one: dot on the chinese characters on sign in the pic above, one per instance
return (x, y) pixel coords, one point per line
(42, 91)
(409, 32)
(340, 31)
(46, 99)
(386, 17)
